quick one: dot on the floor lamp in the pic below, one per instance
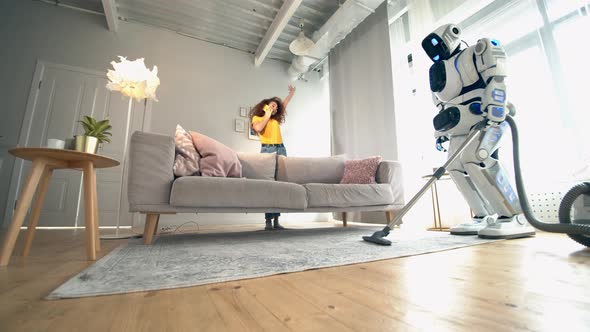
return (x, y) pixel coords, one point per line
(135, 81)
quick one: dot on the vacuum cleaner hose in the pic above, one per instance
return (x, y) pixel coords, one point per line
(565, 225)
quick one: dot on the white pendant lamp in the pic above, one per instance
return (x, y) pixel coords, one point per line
(301, 45)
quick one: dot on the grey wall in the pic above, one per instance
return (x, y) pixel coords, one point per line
(202, 84)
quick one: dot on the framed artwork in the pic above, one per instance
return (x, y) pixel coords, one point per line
(252, 134)
(243, 111)
(240, 125)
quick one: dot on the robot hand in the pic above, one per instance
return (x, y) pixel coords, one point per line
(439, 143)
(511, 109)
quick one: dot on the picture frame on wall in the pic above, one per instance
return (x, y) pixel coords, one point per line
(252, 134)
(243, 112)
(240, 125)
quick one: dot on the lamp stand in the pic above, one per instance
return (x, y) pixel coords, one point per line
(123, 166)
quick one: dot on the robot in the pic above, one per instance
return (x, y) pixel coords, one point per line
(469, 92)
(467, 87)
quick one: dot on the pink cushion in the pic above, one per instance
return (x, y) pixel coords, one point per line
(186, 161)
(361, 171)
(216, 158)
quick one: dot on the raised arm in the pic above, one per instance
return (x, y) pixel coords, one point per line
(289, 96)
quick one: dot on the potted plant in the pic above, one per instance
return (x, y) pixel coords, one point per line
(95, 133)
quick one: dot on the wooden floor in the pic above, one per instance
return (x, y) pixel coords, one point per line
(535, 284)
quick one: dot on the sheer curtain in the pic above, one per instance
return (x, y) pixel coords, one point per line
(414, 109)
(361, 96)
(410, 22)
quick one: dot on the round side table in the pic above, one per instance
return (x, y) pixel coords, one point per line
(45, 160)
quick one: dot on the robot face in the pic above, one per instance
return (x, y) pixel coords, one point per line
(440, 44)
(435, 47)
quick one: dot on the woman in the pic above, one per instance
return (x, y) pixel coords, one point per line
(266, 119)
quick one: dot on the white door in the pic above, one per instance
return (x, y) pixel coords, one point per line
(60, 96)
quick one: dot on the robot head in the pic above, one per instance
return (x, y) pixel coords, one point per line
(442, 43)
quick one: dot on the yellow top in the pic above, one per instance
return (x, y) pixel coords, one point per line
(271, 133)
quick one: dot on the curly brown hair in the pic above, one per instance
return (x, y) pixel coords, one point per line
(258, 110)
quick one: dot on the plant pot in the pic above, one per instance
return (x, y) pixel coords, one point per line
(88, 144)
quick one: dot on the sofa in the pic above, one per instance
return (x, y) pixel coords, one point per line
(279, 184)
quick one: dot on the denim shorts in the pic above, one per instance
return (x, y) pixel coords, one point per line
(271, 148)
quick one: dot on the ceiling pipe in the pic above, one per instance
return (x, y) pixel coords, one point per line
(339, 25)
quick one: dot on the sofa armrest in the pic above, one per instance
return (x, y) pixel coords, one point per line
(390, 171)
(150, 177)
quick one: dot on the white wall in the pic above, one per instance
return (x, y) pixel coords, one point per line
(202, 84)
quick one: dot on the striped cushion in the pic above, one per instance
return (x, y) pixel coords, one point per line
(186, 161)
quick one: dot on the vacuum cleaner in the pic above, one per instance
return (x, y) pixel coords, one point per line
(576, 229)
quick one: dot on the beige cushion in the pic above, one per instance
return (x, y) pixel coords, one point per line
(258, 165)
(310, 170)
(347, 195)
(198, 191)
(216, 158)
(186, 159)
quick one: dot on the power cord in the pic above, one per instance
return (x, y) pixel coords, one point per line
(175, 231)
(167, 229)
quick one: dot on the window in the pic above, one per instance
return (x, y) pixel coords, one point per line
(546, 80)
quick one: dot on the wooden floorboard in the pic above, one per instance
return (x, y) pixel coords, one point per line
(533, 284)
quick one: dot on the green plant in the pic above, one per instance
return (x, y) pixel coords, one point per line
(98, 129)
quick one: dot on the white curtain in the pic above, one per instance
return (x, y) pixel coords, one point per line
(361, 96)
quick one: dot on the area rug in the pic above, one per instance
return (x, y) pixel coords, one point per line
(184, 260)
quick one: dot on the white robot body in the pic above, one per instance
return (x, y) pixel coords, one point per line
(453, 85)
(468, 87)
(461, 72)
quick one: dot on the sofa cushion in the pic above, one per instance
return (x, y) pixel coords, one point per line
(347, 195)
(198, 191)
(360, 171)
(258, 165)
(216, 158)
(186, 160)
(310, 170)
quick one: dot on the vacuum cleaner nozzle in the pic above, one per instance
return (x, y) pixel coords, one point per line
(378, 237)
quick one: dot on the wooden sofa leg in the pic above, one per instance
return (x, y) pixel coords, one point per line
(151, 220)
(388, 216)
(157, 224)
(344, 224)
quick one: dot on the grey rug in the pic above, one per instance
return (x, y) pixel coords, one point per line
(184, 260)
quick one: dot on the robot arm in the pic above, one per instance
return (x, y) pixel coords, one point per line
(490, 60)
(437, 102)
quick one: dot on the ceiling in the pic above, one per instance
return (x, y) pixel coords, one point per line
(239, 24)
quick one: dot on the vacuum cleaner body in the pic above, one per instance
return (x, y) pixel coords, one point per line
(581, 208)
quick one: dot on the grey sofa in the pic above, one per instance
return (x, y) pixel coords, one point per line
(301, 185)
